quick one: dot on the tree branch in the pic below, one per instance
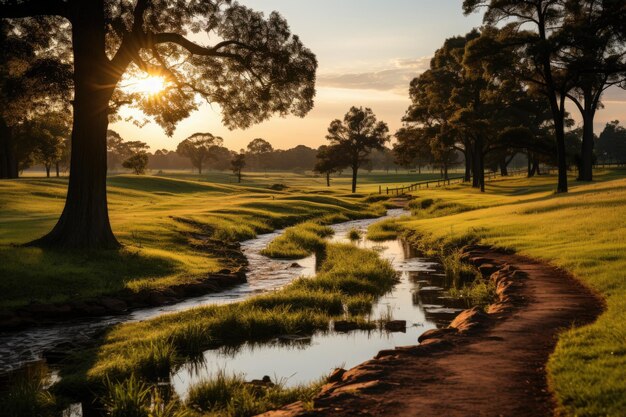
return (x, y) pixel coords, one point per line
(28, 8)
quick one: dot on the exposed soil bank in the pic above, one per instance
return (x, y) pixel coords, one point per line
(483, 365)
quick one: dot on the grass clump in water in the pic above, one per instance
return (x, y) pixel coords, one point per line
(228, 396)
(385, 230)
(299, 241)
(354, 234)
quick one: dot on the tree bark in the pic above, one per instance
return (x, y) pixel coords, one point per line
(586, 154)
(84, 222)
(58, 169)
(8, 160)
(48, 166)
(355, 170)
(468, 164)
(328, 179)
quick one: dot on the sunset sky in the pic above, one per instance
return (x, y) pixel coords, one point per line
(368, 51)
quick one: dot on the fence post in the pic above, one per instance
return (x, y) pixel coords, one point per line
(380, 189)
(387, 190)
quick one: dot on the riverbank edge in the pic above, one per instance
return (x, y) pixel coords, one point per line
(469, 326)
(37, 314)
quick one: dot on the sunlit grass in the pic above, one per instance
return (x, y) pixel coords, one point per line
(157, 219)
(583, 232)
(346, 284)
(298, 241)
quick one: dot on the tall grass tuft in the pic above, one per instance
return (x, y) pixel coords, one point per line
(299, 241)
(27, 394)
(230, 395)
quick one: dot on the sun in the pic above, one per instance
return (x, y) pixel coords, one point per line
(151, 85)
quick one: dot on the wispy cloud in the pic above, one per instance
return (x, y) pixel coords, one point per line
(395, 77)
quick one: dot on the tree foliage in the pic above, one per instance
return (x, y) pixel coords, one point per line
(199, 148)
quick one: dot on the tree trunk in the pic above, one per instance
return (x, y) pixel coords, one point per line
(529, 162)
(586, 153)
(355, 171)
(328, 179)
(477, 157)
(8, 160)
(468, 165)
(84, 222)
(58, 169)
(48, 166)
(481, 172)
(239, 177)
(504, 169)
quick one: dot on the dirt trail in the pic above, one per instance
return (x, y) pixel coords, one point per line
(496, 368)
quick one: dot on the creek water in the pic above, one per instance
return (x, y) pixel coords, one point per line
(419, 298)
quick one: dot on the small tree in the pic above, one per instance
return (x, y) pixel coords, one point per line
(47, 134)
(237, 164)
(198, 148)
(138, 163)
(354, 138)
(329, 161)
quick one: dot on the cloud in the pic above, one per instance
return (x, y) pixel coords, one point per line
(395, 77)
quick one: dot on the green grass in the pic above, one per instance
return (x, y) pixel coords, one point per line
(346, 285)
(26, 394)
(384, 230)
(583, 232)
(159, 220)
(299, 241)
(228, 396)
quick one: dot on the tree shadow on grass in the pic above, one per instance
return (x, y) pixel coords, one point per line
(50, 276)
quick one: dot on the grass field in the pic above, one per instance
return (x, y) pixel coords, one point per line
(154, 217)
(583, 232)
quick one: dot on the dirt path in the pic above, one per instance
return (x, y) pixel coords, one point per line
(496, 368)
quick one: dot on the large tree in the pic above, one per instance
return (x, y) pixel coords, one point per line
(529, 29)
(256, 69)
(260, 153)
(595, 54)
(356, 136)
(199, 148)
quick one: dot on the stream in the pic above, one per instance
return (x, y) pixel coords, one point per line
(419, 298)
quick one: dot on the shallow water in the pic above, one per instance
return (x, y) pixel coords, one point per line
(419, 298)
(19, 348)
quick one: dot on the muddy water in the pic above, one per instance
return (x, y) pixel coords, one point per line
(419, 298)
(20, 348)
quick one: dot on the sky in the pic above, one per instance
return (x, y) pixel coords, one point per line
(368, 52)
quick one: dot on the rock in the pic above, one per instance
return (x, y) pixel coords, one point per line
(266, 381)
(295, 265)
(224, 271)
(114, 305)
(436, 334)
(156, 299)
(469, 319)
(396, 326)
(345, 326)
(487, 269)
(92, 310)
(336, 375)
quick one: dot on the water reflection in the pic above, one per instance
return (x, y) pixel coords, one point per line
(419, 298)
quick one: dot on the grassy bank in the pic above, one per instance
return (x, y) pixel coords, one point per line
(163, 223)
(583, 232)
(299, 241)
(346, 285)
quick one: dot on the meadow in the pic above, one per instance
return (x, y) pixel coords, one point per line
(583, 232)
(160, 220)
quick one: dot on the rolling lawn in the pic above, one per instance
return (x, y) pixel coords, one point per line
(583, 232)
